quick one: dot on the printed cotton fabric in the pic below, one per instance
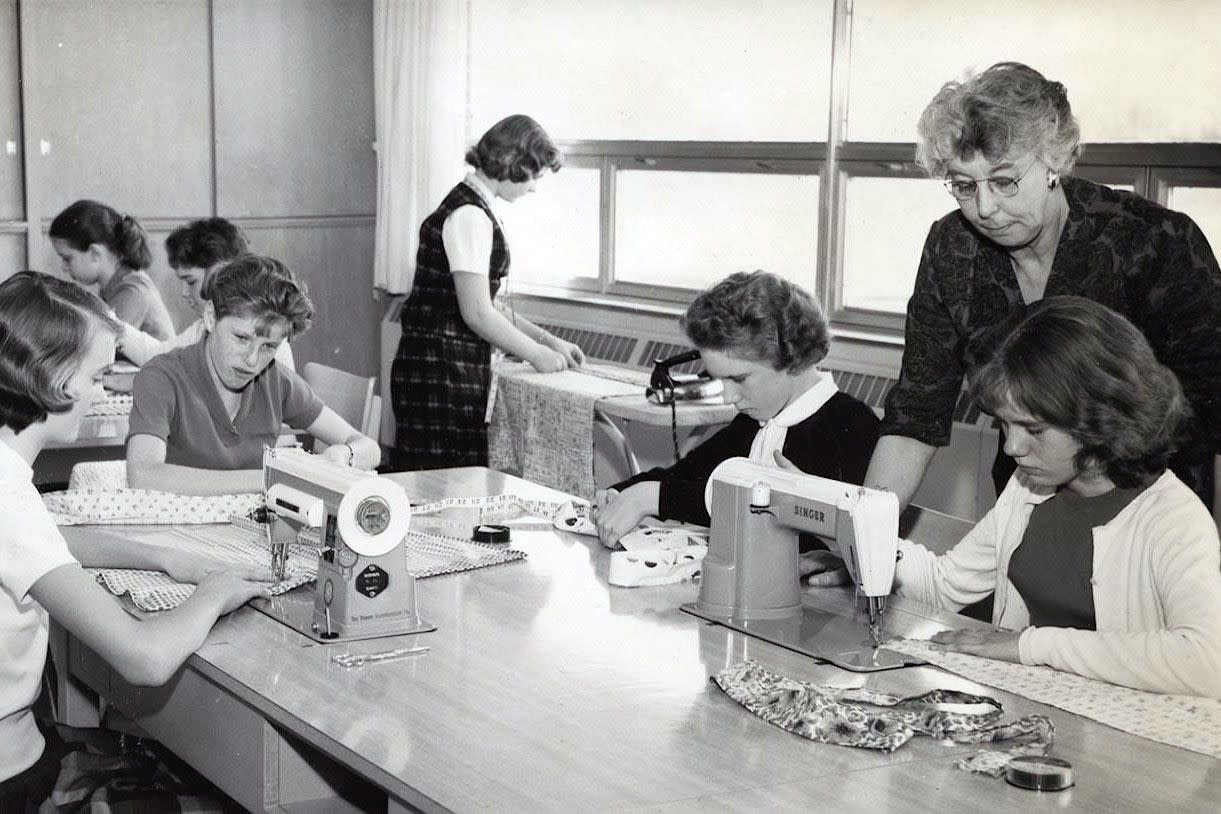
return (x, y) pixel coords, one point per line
(145, 506)
(871, 720)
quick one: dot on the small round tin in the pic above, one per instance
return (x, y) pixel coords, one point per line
(490, 533)
(1039, 773)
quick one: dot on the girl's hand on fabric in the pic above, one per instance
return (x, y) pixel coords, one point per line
(546, 360)
(823, 569)
(1001, 645)
(181, 566)
(229, 591)
(624, 511)
(603, 497)
(572, 353)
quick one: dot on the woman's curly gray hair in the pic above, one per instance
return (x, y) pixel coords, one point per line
(1009, 107)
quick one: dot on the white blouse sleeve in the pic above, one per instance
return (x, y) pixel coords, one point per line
(467, 237)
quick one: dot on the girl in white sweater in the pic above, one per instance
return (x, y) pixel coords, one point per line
(1103, 563)
(56, 342)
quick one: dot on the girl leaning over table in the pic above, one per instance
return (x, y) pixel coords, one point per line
(56, 341)
(1103, 562)
(441, 373)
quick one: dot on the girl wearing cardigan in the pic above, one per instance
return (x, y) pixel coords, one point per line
(1103, 562)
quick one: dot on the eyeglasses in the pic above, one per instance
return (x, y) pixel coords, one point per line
(1000, 185)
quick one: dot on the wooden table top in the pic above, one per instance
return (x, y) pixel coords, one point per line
(547, 689)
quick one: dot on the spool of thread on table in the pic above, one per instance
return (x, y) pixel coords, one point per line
(490, 533)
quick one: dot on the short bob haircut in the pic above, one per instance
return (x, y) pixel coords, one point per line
(760, 317)
(1081, 367)
(85, 223)
(46, 327)
(250, 285)
(1006, 109)
(515, 149)
(203, 243)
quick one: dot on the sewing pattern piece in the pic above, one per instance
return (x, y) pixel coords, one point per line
(872, 720)
(144, 506)
(1185, 721)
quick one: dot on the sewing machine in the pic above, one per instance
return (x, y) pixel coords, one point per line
(363, 588)
(751, 580)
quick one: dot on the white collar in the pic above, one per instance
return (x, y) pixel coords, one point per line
(485, 192)
(13, 465)
(806, 404)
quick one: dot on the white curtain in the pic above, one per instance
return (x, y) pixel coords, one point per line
(419, 79)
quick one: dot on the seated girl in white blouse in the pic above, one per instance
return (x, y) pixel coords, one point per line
(1104, 564)
(56, 341)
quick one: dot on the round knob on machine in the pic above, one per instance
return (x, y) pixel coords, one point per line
(373, 515)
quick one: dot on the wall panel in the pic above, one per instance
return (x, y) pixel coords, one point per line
(12, 253)
(119, 91)
(294, 108)
(12, 191)
(335, 259)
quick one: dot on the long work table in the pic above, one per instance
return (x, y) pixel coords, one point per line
(545, 689)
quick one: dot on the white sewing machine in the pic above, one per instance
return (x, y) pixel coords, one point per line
(751, 579)
(363, 589)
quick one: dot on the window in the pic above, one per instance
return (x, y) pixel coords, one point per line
(678, 70)
(1133, 74)
(684, 229)
(711, 136)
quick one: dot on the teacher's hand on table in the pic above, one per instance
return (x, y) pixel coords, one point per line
(1001, 645)
(617, 513)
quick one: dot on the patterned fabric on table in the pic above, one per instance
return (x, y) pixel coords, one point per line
(872, 720)
(144, 506)
(155, 591)
(542, 426)
(1185, 721)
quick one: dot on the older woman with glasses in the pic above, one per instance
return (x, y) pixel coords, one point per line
(1005, 143)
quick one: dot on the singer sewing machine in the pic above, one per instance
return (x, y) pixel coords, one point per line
(363, 589)
(751, 581)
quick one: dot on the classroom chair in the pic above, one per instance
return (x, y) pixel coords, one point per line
(349, 395)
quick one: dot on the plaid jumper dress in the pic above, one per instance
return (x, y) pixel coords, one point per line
(442, 371)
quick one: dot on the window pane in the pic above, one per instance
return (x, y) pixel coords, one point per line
(696, 70)
(690, 229)
(1203, 204)
(1135, 72)
(553, 233)
(886, 222)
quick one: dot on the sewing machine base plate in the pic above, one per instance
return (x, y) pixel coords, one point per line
(295, 609)
(840, 640)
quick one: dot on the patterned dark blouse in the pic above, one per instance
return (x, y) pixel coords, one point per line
(1147, 262)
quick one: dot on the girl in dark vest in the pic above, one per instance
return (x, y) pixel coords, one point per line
(442, 371)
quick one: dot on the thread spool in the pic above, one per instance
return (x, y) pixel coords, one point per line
(490, 533)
